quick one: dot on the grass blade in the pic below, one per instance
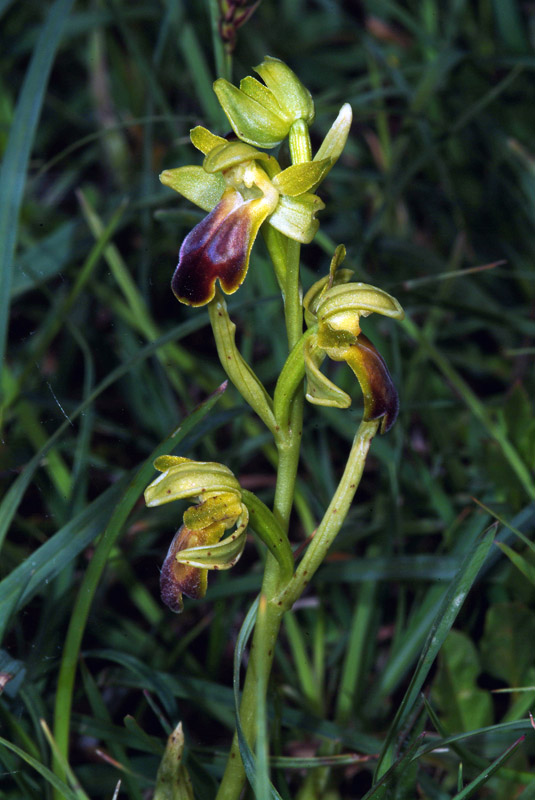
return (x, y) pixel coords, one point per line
(444, 619)
(64, 792)
(482, 779)
(98, 562)
(18, 150)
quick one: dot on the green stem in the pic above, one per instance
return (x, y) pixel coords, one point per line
(293, 309)
(223, 59)
(288, 383)
(335, 514)
(288, 446)
(266, 628)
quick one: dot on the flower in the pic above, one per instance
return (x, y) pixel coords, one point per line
(335, 306)
(241, 187)
(263, 113)
(198, 545)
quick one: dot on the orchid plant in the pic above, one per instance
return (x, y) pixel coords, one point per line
(244, 191)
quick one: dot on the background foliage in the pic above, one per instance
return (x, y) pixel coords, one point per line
(435, 200)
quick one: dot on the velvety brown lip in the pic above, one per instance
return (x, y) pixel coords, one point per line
(177, 579)
(217, 248)
(380, 395)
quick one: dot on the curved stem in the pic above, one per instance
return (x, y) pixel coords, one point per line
(289, 382)
(334, 516)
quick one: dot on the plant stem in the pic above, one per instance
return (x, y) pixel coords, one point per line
(289, 446)
(268, 625)
(335, 514)
(223, 59)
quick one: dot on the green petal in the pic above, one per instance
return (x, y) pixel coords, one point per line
(190, 479)
(204, 140)
(196, 185)
(250, 121)
(317, 290)
(320, 390)
(287, 88)
(300, 178)
(343, 301)
(334, 142)
(294, 217)
(231, 154)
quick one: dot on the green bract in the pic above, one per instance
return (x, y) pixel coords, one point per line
(263, 113)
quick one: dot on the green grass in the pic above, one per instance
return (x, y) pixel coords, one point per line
(386, 672)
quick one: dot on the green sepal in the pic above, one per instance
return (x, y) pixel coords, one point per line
(336, 138)
(300, 178)
(268, 530)
(343, 301)
(320, 390)
(204, 140)
(190, 479)
(222, 555)
(259, 91)
(162, 463)
(294, 98)
(195, 185)
(251, 121)
(294, 217)
(231, 154)
(172, 779)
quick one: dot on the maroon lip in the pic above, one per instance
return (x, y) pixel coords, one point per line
(217, 248)
(381, 399)
(177, 579)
